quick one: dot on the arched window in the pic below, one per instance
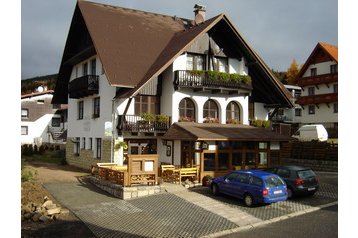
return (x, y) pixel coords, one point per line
(233, 113)
(186, 110)
(211, 111)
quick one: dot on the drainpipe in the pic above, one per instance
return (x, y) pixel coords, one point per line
(112, 140)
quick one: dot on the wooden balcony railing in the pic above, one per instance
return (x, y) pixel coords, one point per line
(318, 79)
(83, 86)
(135, 123)
(211, 81)
(317, 99)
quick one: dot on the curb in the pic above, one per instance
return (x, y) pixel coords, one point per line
(266, 222)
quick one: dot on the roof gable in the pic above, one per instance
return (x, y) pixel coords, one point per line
(321, 53)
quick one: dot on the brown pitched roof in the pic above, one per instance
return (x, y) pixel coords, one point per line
(135, 46)
(211, 131)
(29, 95)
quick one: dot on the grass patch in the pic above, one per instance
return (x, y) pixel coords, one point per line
(52, 157)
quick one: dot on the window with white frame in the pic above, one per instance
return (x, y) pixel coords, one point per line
(335, 88)
(221, 64)
(311, 109)
(24, 130)
(298, 112)
(195, 62)
(24, 113)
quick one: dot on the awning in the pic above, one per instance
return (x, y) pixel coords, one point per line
(212, 131)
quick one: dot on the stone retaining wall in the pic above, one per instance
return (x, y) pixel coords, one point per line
(85, 159)
(125, 192)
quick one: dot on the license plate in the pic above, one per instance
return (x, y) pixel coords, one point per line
(277, 192)
(311, 189)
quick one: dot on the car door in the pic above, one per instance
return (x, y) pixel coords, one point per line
(241, 184)
(228, 185)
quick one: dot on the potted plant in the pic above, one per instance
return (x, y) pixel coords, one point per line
(207, 180)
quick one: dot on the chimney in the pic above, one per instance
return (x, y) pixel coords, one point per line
(199, 11)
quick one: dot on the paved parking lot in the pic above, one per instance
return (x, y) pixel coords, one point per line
(178, 212)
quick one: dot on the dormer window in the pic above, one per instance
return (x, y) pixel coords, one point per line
(221, 64)
(195, 62)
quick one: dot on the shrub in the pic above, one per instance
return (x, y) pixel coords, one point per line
(28, 176)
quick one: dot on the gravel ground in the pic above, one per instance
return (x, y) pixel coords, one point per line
(67, 225)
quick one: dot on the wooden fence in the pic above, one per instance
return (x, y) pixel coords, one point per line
(140, 169)
(309, 151)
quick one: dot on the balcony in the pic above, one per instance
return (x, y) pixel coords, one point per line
(147, 123)
(214, 82)
(317, 99)
(83, 86)
(318, 79)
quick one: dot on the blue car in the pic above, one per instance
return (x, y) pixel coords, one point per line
(252, 186)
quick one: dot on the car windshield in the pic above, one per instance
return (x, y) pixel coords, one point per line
(273, 181)
(304, 174)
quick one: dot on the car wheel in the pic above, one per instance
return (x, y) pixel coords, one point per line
(289, 193)
(215, 189)
(248, 200)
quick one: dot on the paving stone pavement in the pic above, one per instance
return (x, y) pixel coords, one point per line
(178, 212)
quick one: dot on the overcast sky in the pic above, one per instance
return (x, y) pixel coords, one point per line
(279, 30)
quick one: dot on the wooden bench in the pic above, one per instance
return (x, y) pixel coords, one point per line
(188, 172)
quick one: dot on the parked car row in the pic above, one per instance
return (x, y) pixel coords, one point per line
(269, 186)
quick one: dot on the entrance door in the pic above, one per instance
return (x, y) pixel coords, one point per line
(187, 154)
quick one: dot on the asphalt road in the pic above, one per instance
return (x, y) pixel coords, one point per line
(321, 223)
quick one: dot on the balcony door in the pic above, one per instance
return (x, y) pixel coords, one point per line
(147, 104)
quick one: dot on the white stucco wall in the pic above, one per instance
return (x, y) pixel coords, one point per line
(89, 127)
(322, 68)
(261, 113)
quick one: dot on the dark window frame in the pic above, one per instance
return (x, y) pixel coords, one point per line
(334, 68)
(210, 106)
(311, 109)
(313, 71)
(93, 66)
(231, 110)
(187, 108)
(96, 107)
(56, 122)
(80, 110)
(98, 148)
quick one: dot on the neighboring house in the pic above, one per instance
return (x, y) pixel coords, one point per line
(319, 81)
(287, 120)
(41, 121)
(183, 89)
